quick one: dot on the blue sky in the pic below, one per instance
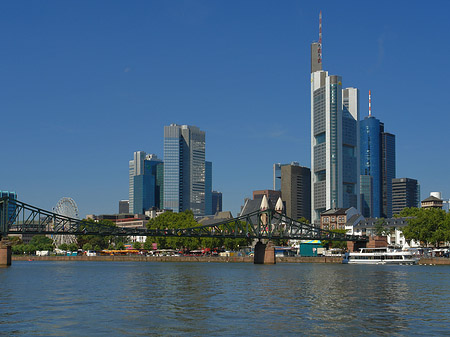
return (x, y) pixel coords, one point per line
(84, 84)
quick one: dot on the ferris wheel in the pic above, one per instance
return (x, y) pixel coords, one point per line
(66, 207)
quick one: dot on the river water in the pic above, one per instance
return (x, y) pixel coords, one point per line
(48, 298)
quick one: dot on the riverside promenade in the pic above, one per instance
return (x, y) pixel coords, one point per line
(140, 258)
(223, 259)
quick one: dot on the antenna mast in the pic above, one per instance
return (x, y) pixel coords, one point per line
(370, 104)
(320, 37)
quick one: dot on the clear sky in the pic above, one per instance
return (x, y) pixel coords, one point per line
(84, 84)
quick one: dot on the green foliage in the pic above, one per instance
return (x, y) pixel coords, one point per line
(427, 226)
(137, 245)
(15, 240)
(380, 228)
(170, 220)
(87, 246)
(97, 240)
(41, 242)
(120, 246)
(63, 246)
(72, 247)
(336, 244)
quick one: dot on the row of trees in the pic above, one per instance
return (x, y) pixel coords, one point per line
(430, 227)
(170, 220)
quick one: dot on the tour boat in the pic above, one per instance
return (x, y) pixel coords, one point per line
(382, 255)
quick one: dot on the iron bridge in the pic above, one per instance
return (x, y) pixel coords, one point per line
(17, 217)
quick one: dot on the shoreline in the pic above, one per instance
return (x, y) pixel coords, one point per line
(133, 258)
(221, 259)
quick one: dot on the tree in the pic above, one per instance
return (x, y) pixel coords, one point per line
(380, 228)
(427, 226)
(87, 246)
(41, 242)
(97, 240)
(63, 246)
(336, 244)
(72, 247)
(137, 245)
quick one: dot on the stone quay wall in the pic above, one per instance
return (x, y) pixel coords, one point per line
(245, 259)
(137, 258)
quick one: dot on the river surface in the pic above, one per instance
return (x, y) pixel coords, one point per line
(48, 298)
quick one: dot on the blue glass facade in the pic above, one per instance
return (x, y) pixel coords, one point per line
(11, 204)
(144, 187)
(370, 164)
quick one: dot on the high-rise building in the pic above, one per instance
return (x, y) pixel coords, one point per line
(184, 169)
(11, 205)
(124, 207)
(208, 189)
(277, 174)
(377, 155)
(405, 193)
(216, 202)
(296, 191)
(143, 193)
(387, 172)
(334, 140)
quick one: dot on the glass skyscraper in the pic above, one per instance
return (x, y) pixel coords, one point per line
(377, 161)
(143, 191)
(334, 141)
(208, 189)
(184, 169)
(370, 156)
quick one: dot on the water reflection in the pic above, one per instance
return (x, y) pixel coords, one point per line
(132, 299)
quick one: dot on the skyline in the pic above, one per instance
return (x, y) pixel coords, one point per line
(85, 86)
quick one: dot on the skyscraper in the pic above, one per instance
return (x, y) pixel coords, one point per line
(405, 193)
(216, 201)
(387, 172)
(334, 139)
(184, 168)
(143, 192)
(208, 189)
(296, 191)
(377, 154)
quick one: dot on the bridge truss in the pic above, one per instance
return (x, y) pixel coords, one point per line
(17, 217)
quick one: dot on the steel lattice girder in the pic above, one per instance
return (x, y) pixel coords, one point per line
(267, 224)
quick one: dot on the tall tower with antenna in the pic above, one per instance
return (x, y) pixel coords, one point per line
(334, 139)
(377, 153)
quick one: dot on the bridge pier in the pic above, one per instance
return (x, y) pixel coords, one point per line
(264, 253)
(5, 253)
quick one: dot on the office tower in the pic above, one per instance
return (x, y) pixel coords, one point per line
(142, 190)
(405, 193)
(387, 172)
(124, 206)
(271, 195)
(296, 191)
(377, 154)
(208, 189)
(11, 205)
(366, 188)
(160, 185)
(216, 202)
(334, 140)
(277, 174)
(184, 169)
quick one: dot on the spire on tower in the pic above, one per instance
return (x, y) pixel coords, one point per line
(320, 38)
(370, 104)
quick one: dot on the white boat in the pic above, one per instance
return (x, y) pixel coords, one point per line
(382, 255)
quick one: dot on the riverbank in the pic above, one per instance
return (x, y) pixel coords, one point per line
(141, 258)
(223, 259)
